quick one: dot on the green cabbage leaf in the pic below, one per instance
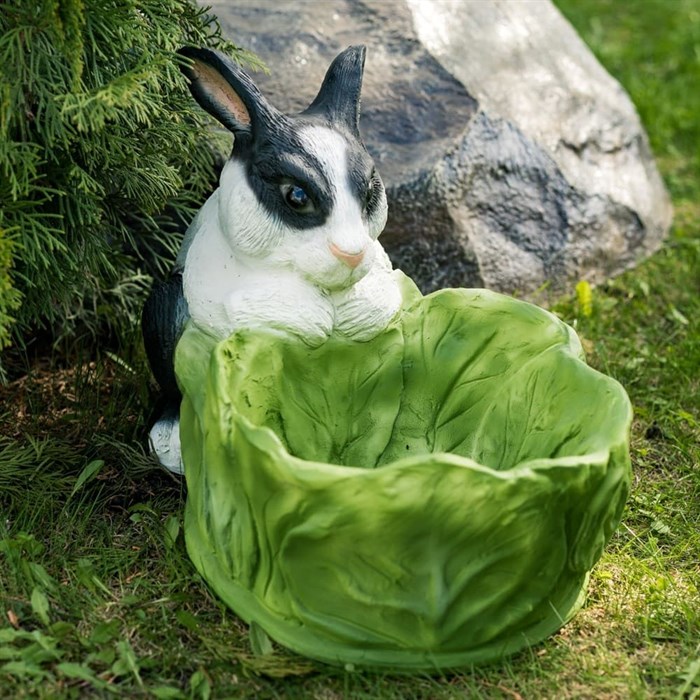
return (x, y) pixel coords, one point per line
(432, 498)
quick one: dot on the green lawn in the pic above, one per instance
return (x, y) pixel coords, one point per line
(97, 595)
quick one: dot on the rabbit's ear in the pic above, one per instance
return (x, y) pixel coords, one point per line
(339, 96)
(225, 91)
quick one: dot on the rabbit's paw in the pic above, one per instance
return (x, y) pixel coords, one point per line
(365, 309)
(164, 442)
(300, 310)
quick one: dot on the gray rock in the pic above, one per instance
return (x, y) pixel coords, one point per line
(511, 158)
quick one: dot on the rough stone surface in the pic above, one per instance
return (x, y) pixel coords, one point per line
(511, 158)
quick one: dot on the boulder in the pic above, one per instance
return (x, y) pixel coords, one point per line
(511, 158)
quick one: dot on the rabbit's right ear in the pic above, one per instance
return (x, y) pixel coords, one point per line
(225, 91)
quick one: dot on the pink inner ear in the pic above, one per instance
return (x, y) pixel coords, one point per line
(221, 92)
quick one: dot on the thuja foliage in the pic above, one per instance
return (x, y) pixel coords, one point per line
(102, 156)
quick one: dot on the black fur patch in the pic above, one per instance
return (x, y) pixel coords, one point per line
(162, 321)
(277, 156)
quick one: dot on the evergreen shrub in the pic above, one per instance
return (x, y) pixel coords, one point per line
(103, 157)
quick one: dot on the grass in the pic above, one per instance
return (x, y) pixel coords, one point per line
(98, 597)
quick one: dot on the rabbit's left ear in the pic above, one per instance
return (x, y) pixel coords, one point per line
(339, 96)
(226, 91)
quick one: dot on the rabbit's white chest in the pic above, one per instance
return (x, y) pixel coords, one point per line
(225, 291)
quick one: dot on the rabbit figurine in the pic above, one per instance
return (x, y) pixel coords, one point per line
(288, 241)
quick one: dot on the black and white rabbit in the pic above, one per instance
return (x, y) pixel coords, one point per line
(288, 241)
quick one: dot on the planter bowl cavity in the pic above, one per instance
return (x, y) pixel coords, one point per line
(429, 499)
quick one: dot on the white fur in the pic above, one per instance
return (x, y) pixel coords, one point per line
(164, 440)
(244, 269)
(365, 308)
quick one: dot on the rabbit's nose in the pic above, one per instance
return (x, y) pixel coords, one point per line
(350, 259)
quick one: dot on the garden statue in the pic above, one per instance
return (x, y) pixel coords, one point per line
(374, 476)
(289, 239)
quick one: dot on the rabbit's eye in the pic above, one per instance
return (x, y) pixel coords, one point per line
(369, 193)
(297, 198)
(372, 191)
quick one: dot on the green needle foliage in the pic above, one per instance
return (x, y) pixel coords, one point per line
(102, 157)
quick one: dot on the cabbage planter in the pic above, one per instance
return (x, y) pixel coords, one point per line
(431, 498)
